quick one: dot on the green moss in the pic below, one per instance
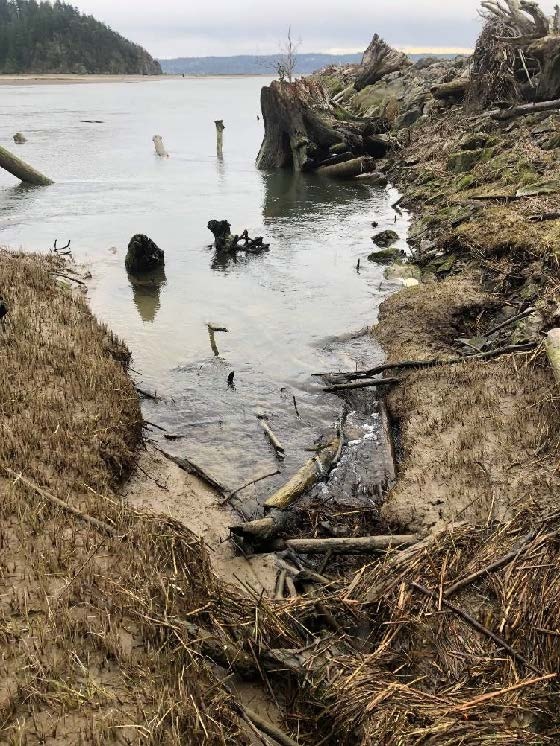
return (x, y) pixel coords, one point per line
(466, 160)
(465, 182)
(478, 140)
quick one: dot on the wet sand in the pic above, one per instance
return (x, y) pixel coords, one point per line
(69, 79)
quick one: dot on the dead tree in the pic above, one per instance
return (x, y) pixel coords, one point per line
(287, 63)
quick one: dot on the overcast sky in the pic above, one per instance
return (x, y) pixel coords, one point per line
(191, 28)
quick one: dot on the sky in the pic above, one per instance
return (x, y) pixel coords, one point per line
(193, 28)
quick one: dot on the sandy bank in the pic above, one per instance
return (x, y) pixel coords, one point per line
(67, 79)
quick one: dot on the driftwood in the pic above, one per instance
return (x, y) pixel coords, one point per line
(379, 59)
(95, 522)
(455, 90)
(190, 468)
(477, 626)
(226, 241)
(276, 444)
(552, 346)
(432, 363)
(510, 321)
(361, 545)
(362, 384)
(159, 146)
(349, 169)
(220, 127)
(22, 170)
(250, 484)
(523, 110)
(544, 216)
(268, 729)
(305, 478)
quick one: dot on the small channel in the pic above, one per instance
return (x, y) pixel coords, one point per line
(290, 312)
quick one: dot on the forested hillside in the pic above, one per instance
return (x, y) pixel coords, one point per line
(44, 37)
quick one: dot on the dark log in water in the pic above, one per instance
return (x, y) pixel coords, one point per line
(22, 170)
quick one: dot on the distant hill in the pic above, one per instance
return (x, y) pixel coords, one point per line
(259, 64)
(252, 64)
(42, 37)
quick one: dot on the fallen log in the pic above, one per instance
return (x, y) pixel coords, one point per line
(362, 384)
(523, 110)
(456, 89)
(267, 728)
(22, 170)
(305, 478)
(361, 545)
(348, 169)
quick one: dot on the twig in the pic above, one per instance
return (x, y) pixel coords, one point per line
(101, 525)
(268, 728)
(493, 567)
(508, 322)
(492, 695)
(276, 444)
(476, 625)
(190, 468)
(250, 484)
(147, 394)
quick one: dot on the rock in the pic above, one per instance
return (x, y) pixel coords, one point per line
(552, 143)
(143, 255)
(377, 145)
(409, 282)
(385, 238)
(386, 256)
(424, 62)
(455, 90)
(464, 160)
(379, 60)
(477, 140)
(403, 271)
(543, 187)
(19, 139)
(409, 118)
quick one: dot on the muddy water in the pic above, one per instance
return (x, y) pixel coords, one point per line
(283, 310)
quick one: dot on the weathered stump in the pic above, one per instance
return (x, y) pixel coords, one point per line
(143, 255)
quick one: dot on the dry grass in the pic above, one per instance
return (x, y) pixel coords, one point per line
(92, 649)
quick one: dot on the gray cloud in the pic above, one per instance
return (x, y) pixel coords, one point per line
(172, 28)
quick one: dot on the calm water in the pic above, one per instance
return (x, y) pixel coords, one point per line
(282, 309)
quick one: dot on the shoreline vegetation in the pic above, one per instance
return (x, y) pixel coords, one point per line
(117, 630)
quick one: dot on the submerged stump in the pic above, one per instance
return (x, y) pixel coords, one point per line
(143, 255)
(21, 170)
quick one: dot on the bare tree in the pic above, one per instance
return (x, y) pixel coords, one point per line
(286, 65)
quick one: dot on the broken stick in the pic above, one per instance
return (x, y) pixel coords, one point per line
(22, 170)
(276, 444)
(362, 545)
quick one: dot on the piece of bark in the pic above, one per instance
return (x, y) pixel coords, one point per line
(306, 477)
(21, 170)
(361, 545)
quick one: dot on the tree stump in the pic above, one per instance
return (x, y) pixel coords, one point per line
(143, 255)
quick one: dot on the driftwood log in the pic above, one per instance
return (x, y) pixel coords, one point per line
(553, 351)
(379, 60)
(306, 477)
(361, 545)
(22, 170)
(226, 241)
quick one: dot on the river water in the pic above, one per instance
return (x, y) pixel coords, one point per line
(283, 309)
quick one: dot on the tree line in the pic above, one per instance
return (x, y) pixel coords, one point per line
(45, 37)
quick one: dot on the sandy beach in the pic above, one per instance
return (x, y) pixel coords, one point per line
(69, 79)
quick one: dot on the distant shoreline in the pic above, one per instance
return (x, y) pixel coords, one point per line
(69, 79)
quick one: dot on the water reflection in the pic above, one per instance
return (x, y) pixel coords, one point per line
(286, 193)
(146, 290)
